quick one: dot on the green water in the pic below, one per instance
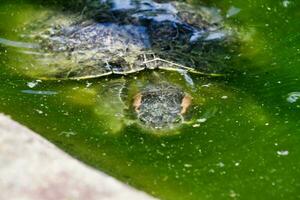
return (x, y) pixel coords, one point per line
(241, 140)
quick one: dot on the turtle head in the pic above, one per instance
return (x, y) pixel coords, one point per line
(161, 105)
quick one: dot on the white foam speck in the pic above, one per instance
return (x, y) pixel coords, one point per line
(283, 153)
(39, 111)
(201, 120)
(286, 3)
(187, 165)
(220, 164)
(293, 97)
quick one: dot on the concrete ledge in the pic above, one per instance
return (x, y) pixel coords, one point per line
(31, 168)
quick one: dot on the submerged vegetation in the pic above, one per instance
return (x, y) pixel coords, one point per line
(239, 137)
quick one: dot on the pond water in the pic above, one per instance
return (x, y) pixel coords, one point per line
(242, 134)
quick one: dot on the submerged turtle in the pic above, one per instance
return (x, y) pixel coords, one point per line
(124, 37)
(161, 105)
(157, 101)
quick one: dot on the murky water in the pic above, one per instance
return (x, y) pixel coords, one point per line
(240, 138)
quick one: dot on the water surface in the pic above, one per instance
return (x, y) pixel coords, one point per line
(241, 143)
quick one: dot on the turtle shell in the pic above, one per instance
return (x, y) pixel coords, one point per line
(122, 40)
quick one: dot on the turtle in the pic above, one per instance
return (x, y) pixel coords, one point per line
(125, 37)
(161, 105)
(153, 101)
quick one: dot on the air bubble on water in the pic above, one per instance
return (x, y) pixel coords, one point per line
(187, 165)
(283, 153)
(39, 111)
(293, 97)
(196, 125)
(273, 183)
(202, 120)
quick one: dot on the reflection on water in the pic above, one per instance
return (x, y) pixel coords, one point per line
(240, 136)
